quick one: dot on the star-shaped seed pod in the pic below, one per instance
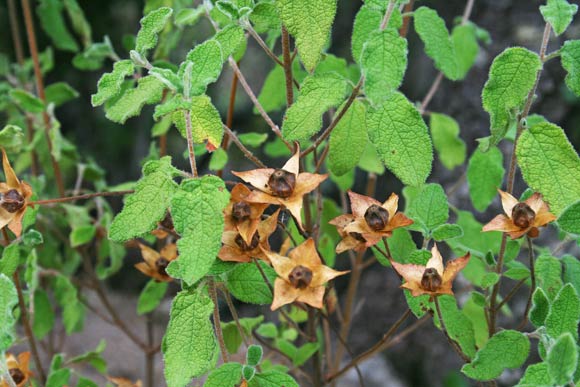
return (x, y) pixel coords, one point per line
(301, 276)
(243, 216)
(374, 220)
(285, 186)
(349, 240)
(432, 279)
(18, 368)
(236, 249)
(14, 196)
(155, 263)
(521, 217)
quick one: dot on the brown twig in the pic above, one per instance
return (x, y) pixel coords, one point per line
(404, 30)
(287, 64)
(249, 155)
(453, 343)
(510, 295)
(264, 46)
(532, 285)
(234, 314)
(216, 320)
(80, 197)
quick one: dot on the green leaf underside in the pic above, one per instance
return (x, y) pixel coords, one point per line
(484, 176)
(109, 85)
(564, 313)
(511, 77)
(317, 94)
(189, 347)
(505, 349)
(197, 215)
(148, 205)
(206, 123)
(348, 140)
(151, 25)
(401, 139)
(559, 14)
(207, 60)
(149, 90)
(310, 23)
(367, 21)
(562, 359)
(445, 132)
(550, 165)
(570, 53)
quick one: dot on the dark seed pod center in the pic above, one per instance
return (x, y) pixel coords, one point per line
(241, 211)
(17, 375)
(282, 183)
(244, 246)
(12, 201)
(167, 222)
(358, 236)
(431, 280)
(522, 215)
(377, 217)
(300, 277)
(161, 265)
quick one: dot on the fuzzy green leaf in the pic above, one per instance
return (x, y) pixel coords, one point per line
(78, 21)
(50, 13)
(484, 175)
(265, 17)
(231, 39)
(466, 48)
(151, 296)
(151, 25)
(12, 138)
(536, 375)
(60, 92)
(58, 378)
(511, 77)
(27, 101)
(189, 347)
(428, 208)
(572, 271)
(272, 96)
(8, 299)
(109, 85)
(562, 359)
(246, 283)
(569, 220)
(197, 215)
(540, 307)
(458, 326)
(66, 295)
(550, 165)
(505, 349)
(367, 21)
(272, 378)
(559, 14)
(206, 123)
(310, 23)
(445, 132)
(570, 53)
(447, 231)
(564, 313)
(207, 60)
(383, 63)
(149, 90)
(189, 16)
(401, 139)
(438, 45)
(348, 140)
(318, 93)
(148, 205)
(227, 375)
(43, 314)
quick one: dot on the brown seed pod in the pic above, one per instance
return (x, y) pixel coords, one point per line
(167, 222)
(282, 183)
(12, 201)
(241, 211)
(376, 217)
(431, 280)
(523, 215)
(358, 236)
(17, 375)
(300, 277)
(244, 246)
(161, 265)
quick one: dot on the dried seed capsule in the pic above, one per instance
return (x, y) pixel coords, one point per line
(244, 246)
(17, 375)
(161, 265)
(377, 217)
(241, 211)
(534, 232)
(431, 280)
(282, 183)
(167, 222)
(12, 201)
(358, 236)
(522, 215)
(300, 277)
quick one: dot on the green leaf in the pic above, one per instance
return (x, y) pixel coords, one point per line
(219, 159)
(168, 77)
(206, 62)
(10, 259)
(81, 235)
(549, 275)
(550, 165)
(401, 139)
(92, 57)
(473, 239)
(109, 85)
(11, 138)
(206, 123)
(66, 295)
(564, 313)
(232, 337)
(149, 90)
(562, 359)
(569, 219)
(429, 208)
(231, 39)
(466, 48)
(246, 283)
(254, 355)
(540, 308)
(189, 16)
(78, 20)
(253, 140)
(151, 296)
(570, 53)
(50, 14)
(151, 25)
(559, 14)
(310, 23)
(458, 326)
(93, 358)
(511, 77)
(445, 134)
(348, 139)
(438, 45)
(227, 375)
(447, 231)
(474, 310)
(265, 17)
(59, 93)
(484, 175)
(572, 271)
(189, 346)
(370, 161)
(27, 101)
(383, 64)
(536, 376)
(58, 378)
(505, 349)
(43, 314)
(272, 96)
(197, 215)
(272, 378)
(367, 21)
(148, 205)
(318, 93)
(8, 300)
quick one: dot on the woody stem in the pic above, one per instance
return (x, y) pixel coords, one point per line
(80, 197)
(189, 132)
(217, 321)
(453, 343)
(532, 285)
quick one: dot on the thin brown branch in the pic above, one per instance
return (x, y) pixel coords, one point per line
(217, 323)
(431, 93)
(452, 342)
(80, 197)
(388, 13)
(510, 295)
(532, 285)
(234, 314)
(249, 155)
(404, 30)
(264, 46)
(287, 64)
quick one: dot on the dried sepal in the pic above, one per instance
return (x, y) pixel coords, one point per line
(14, 195)
(155, 263)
